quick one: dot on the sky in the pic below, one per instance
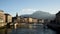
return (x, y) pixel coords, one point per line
(29, 6)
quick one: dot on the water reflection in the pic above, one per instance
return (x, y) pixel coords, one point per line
(28, 29)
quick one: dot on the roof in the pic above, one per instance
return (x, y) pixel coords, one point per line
(7, 14)
(1, 11)
(58, 13)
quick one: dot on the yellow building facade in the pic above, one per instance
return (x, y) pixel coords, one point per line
(30, 20)
(2, 16)
(35, 20)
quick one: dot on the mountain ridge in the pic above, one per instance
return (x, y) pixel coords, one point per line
(40, 15)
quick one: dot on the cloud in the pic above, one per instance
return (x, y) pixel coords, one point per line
(27, 11)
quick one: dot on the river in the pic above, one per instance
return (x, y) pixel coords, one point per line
(28, 29)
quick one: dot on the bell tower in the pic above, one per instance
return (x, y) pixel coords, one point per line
(16, 15)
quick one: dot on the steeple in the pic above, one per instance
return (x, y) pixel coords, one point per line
(16, 14)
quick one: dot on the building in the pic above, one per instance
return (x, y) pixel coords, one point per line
(40, 20)
(8, 18)
(25, 19)
(21, 20)
(2, 16)
(35, 20)
(57, 19)
(16, 19)
(30, 19)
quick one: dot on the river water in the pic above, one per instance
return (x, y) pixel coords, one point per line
(28, 29)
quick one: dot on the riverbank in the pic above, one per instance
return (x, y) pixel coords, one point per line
(2, 27)
(55, 27)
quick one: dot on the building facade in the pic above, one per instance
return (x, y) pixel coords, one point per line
(2, 16)
(30, 19)
(16, 19)
(35, 20)
(40, 20)
(8, 18)
(57, 19)
(25, 20)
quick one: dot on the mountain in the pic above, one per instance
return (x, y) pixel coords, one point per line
(26, 15)
(40, 15)
(43, 15)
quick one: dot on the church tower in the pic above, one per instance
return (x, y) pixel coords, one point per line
(16, 15)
